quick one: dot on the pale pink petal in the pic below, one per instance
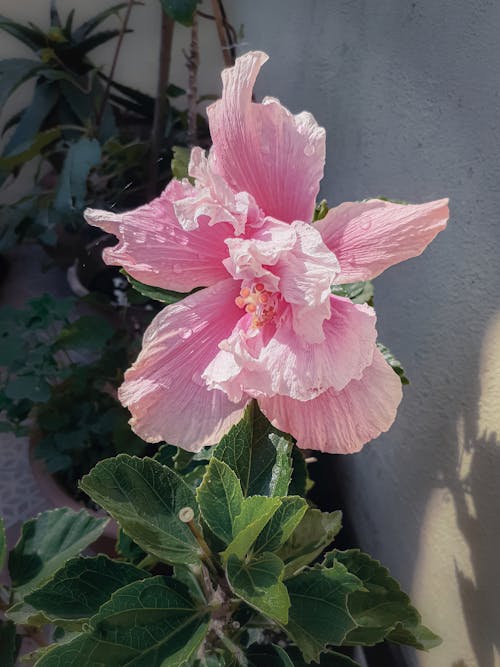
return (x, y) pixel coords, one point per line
(154, 249)
(368, 237)
(306, 275)
(341, 422)
(274, 360)
(263, 149)
(212, 198)
(164, 390)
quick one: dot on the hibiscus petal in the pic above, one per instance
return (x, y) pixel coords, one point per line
(368, 237)
(263, 149)
(341, 422)
(164, 390)
(153, 247)
(285, 364)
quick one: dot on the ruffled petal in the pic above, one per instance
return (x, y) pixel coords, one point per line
(306, 276)
(212, 198)
(368, 237)
(274, 360)
(156, 250)
(263, 149)
(341, 422)
(164, 390)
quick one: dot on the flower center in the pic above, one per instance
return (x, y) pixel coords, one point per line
(259, 302)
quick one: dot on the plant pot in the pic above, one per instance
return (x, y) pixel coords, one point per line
(59, 497)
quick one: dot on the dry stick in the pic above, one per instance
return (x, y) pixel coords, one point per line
(192, 92)
(123, 30)
(219, 22)
(160, 111)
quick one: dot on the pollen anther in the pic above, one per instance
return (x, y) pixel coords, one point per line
(259, 302)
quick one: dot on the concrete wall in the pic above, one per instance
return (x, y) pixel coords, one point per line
(409, 94)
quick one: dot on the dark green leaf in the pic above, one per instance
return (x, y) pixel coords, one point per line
(86, 333)
(220, 499)
(249, 450)
(145, 498)
(8, 644)
(81, 157)
(328, 659)
(44, 99)
(34, 388)
(92, 23)
(312, 536)
(284, 521)
(41, 141)
(3, 543)
(181, 11)
(318, 613)
(150, 623)
(175, 91)
(417, 636)
(128, 549)
(97, 39)
(28, 36)
(78, 589)
(259, 582)
(47, 542)
(394, 363)
(380, 605)
(156, 293)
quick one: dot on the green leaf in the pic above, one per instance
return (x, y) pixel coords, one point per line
(3, 543)
(181, 11)
(32, 387)
(259, 582)
(14, 71)
(381, 605)
(145, 499)
(318, 613)
(261, 655)
(312, 536)
(360, 292)
(282, 524)
(220, 499)
(150, 623)
(252, 453)
(328, 659)
(187, 574)
(394, 363)
(128, 549)
(44, 100)
(9, 644)
(418, 636)
(47, 542)
(78, 589)
(22, 613)
(255, 513)
(81, 157)
(180, 162)
(320, 210)
(92, 23)
(156, 293)
(281, 473)
(86, 333)
(41, 141)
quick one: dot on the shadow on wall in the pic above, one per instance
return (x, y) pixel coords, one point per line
(477, 467)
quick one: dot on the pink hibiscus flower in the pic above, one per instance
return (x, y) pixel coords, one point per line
(266, 325)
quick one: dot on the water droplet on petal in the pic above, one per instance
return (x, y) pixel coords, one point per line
(185, 333)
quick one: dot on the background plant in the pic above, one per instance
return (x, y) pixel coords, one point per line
(60, 373)
(222, 561)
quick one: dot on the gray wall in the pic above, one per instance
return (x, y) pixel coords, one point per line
(409, 95)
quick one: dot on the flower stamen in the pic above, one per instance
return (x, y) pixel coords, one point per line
(259, 302)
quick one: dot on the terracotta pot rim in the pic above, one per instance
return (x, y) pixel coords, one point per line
(57, 495)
